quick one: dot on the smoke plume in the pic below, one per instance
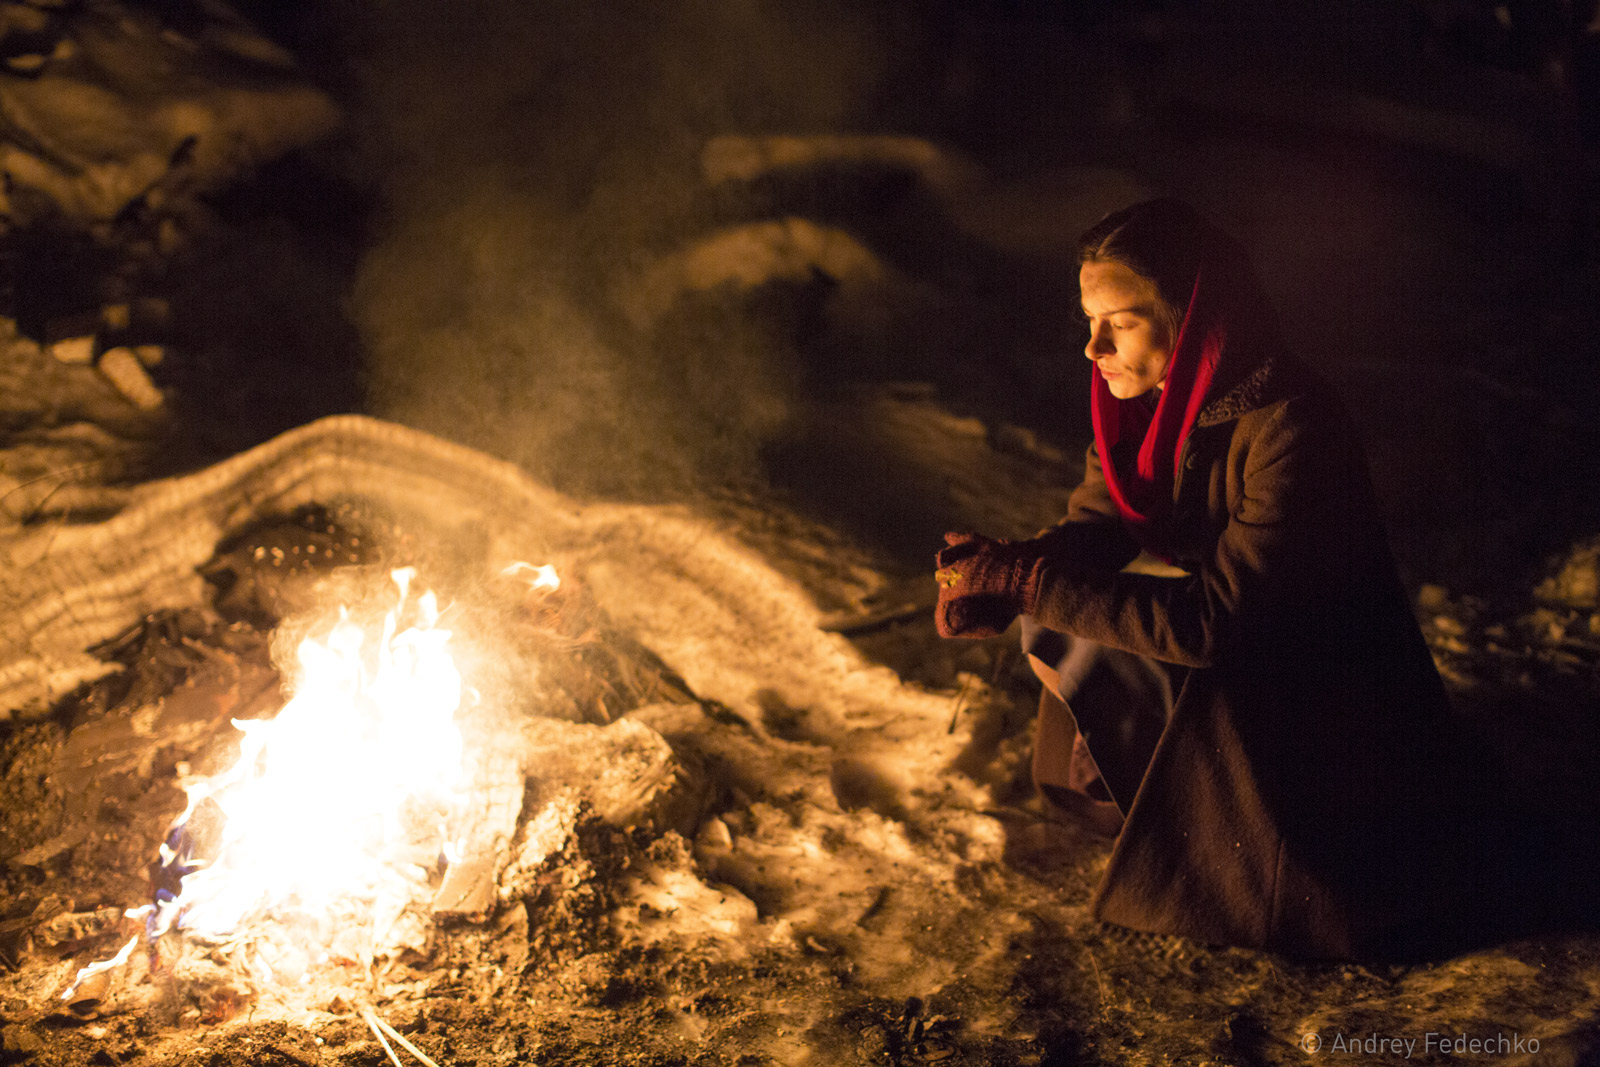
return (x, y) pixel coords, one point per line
(534, 159)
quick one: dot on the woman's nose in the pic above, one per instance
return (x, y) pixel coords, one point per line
(1099, 343)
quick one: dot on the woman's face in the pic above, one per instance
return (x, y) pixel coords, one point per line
(1127, 341)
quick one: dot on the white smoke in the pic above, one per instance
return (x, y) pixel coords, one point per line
(532, 158)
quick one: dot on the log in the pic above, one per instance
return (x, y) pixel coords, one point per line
(625, 771)
(468, 889)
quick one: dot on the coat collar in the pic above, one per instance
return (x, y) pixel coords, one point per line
(1245, 395)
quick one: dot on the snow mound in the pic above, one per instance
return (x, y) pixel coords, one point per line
(737, 630)
(125, 110)
(1576, 581)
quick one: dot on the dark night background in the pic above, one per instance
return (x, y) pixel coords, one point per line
(1416, 180)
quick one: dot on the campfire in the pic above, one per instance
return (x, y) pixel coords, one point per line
(637, 775)
(346, 823)
(373, 818)
(320, 844)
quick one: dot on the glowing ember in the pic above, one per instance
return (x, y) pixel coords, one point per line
(320, 844)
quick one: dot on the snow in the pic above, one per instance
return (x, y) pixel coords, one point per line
(132, 111)
(850, 837)
(1576, 582)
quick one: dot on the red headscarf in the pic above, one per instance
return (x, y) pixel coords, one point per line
(1143, 495)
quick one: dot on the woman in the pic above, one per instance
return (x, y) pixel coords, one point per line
(1278, 741)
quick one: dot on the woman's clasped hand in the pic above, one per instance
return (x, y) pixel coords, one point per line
(985, 583)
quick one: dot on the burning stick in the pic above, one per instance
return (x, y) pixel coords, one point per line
(379, 1028)
(547, 604)
(100, 968)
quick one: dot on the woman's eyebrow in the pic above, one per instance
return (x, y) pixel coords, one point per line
(1137, 309)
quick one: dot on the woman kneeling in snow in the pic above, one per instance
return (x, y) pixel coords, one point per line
(1277, 748)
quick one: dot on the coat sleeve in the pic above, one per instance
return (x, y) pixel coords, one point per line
(1281, 556)
(1091, 536)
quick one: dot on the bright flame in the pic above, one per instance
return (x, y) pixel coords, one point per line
(93, 969)
(542, 577)
(327, 829)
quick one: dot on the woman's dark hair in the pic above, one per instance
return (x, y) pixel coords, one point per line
(1167, 241)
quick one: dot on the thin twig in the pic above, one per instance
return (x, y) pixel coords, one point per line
(1098, 981)
(408, 1046)
(1000, 663)
(39, 507)
(63, 473)
(372, 1024)
(961, 698)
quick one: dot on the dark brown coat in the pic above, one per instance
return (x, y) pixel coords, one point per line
(1311, 791)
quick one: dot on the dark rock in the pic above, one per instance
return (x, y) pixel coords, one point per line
(20, 1041)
